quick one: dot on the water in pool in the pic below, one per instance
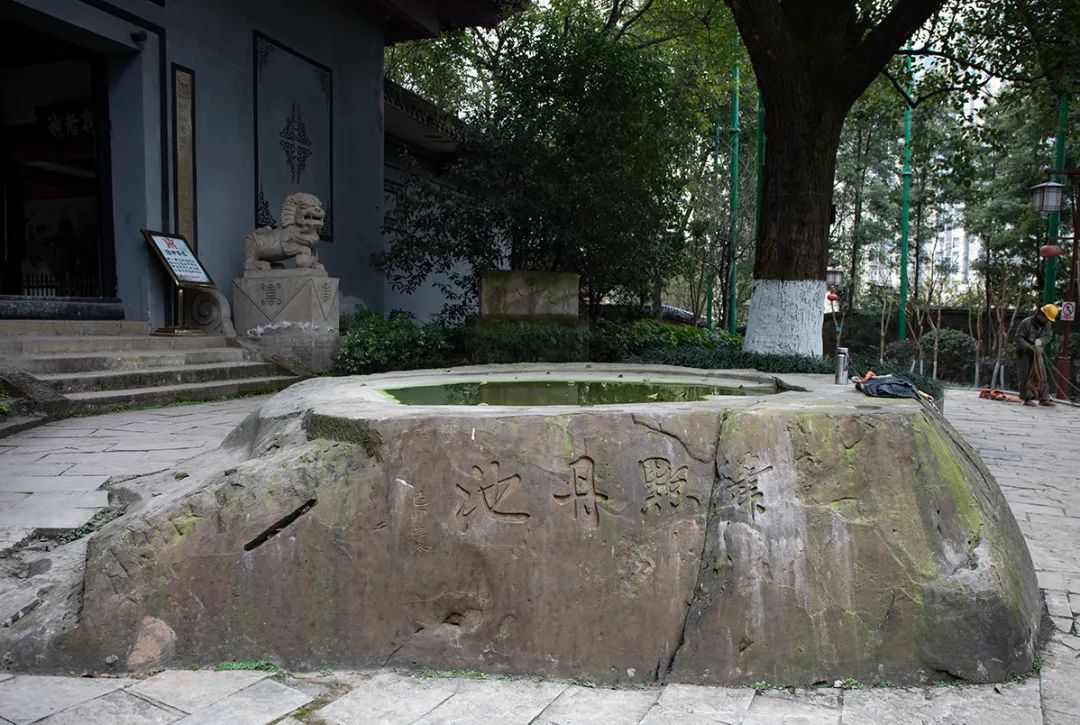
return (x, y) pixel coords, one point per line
(559, 392)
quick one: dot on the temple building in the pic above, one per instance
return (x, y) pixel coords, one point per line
(198, 118)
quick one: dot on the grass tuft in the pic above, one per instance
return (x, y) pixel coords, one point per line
(258, 665)
(454, 674)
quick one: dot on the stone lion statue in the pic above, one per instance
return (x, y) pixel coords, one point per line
(301, 220)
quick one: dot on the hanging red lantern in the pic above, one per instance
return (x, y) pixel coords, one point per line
(833, 297)
(1049, 250)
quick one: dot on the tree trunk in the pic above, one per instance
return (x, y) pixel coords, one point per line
(788, 300)
(883, 328)
(812, 63)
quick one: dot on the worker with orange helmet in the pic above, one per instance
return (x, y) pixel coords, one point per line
(1031, 338)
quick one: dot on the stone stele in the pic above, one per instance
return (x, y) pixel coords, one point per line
(794, 538)
(524, 296)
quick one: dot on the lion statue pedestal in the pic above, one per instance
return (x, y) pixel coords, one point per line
(290, 314)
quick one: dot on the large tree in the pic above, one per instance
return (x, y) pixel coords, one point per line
(813, 59)
(570, 163)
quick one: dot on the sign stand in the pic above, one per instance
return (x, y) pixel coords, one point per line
(184, 270)
(179, 328)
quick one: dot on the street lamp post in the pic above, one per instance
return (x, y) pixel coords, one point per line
(1046, 199)
(1054, 218)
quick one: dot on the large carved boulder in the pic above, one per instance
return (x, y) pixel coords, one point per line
(792, 538)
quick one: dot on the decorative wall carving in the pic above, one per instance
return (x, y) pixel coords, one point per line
(208, 310)
(184, 183)
(293, 130)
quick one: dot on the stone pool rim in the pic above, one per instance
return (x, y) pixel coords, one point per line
(715, 385)
(365, 395)
(823, 481)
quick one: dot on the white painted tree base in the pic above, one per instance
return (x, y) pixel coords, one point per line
(785, 317)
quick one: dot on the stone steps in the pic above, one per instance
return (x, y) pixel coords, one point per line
(103, 401)
(48, 344)
(57, 328)
(43, 365)
(98, 366)
(67, 383)
(12, 425)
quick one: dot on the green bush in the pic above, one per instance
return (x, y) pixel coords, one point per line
(350, 320)
(614, 342)
(956, 355)
(375, 344)
(730, 358)
(511, 343)
(901, 353)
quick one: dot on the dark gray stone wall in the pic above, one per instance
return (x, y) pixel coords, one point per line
(427, 301)
(216, 40)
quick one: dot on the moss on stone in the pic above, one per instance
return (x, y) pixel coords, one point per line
(348, 430)
(184, 524)
(940, 454)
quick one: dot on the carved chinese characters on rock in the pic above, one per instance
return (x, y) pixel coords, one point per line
(665, 484)
(418, 524)
(485, 494)
(741, 482)
(580, 495)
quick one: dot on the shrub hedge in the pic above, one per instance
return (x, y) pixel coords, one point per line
(373, 344)
(956, 354)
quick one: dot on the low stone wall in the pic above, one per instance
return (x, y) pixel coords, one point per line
(794, 538)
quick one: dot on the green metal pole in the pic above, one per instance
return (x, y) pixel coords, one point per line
(716, 173)
(732, 300)
(904, 212)
(1054, 219)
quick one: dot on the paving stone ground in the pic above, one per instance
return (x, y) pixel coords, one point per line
(54, 477)
(1034, 453)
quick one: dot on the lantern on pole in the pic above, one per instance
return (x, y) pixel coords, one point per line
(1046, 197)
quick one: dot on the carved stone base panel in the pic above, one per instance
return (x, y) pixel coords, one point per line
(264, 299)
(291, 318)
